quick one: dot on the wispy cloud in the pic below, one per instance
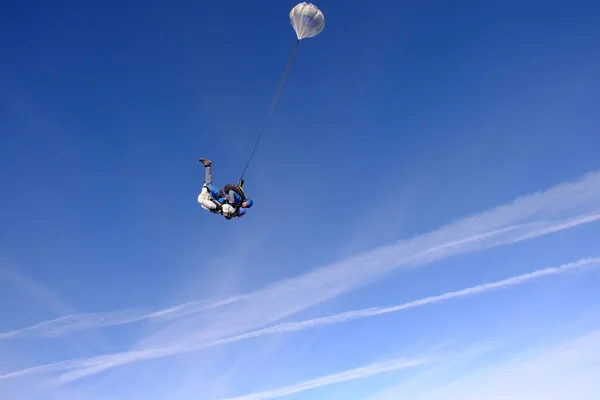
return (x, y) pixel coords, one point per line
(562, 207)
(86, 321)
(350, 375)
(567, 370)
(80, 369)
(34, 290)
(559, 208)
(374, 311)
(62, 365)
(73, 323)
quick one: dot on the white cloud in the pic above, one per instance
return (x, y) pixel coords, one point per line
(559, 208)
(374, 311)
(569, 370)
(80, 369)
(86, 321)
(34, 290)
(350, 375)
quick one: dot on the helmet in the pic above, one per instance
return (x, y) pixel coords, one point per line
(249, 203)
(241, 211)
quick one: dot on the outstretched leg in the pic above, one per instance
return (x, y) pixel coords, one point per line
(207, 167)
(208, 178)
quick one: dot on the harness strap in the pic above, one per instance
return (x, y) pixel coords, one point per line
(237, 190)
(219, 207)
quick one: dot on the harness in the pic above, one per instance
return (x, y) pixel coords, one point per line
(207, 196)
(219, 207)
(239, 191)
(236, 189)
(216, 203)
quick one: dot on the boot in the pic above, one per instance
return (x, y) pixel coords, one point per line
(205, 162)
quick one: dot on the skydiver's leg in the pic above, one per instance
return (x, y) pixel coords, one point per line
(214, 191)
(208, 175)
(205, 201)
(207, 167)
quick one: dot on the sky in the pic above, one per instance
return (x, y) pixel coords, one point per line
(427, 201)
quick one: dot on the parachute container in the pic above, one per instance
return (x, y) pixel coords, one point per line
(307, 20)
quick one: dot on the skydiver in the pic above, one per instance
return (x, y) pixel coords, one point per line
(230, 202)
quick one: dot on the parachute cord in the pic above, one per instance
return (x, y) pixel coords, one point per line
(271, 109)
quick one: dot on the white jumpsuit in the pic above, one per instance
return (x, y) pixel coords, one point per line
(206, 202)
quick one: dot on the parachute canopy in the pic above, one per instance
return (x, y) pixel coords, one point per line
(307, 20)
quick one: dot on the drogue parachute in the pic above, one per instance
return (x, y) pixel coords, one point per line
(307, 20)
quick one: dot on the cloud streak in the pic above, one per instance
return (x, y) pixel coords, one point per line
(567, 370)
(72, 323)
(85, 321)
(80, 369)
(346, 376)
(374, 311)
(561, 207)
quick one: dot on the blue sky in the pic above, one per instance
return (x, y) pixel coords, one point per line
(419, 152)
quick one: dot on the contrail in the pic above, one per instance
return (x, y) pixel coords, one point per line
(86, 321)
(559, 208)
(350, 375)
(94, 365)
(77, 322)
(575, 203)
(62, 365)
(374, 311)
